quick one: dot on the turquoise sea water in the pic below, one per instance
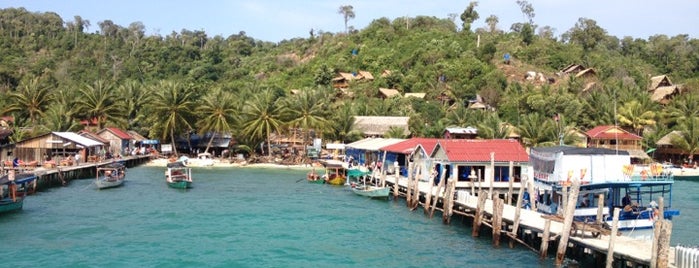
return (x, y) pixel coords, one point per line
(247, 217)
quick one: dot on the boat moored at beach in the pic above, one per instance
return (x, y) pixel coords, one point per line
(604, 173)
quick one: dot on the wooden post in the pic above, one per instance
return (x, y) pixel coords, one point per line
(510, 181)
(533, 196)
(612, 237)
(410, 199)
(497, 219)
(567, 222)
(518, 209)
(480, 178)
(383, 171)
(449, 203)
(440, 188)
(416, 186)
(396, 186)
(491, 178)
(661, 244)
(408, 193)
(564, 202)
(479, 214)
(543, 252)
(472, 177)
(428, 195)
(661, 208)
(600, 208)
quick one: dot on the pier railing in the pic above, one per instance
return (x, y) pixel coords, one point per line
(686, 257)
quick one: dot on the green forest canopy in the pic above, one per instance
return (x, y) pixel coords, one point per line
(54, 74)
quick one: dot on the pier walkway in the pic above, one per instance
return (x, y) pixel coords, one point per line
(626, 248)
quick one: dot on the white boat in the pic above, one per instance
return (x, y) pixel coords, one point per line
(110, 175)
(371, 191)
(204, 160)
(634, 189)
(360, 186)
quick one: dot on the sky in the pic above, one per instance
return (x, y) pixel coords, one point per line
(277, 20)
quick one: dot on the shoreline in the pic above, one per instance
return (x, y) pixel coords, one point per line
(218, 164)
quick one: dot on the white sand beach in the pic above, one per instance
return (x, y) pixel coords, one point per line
(160, 162)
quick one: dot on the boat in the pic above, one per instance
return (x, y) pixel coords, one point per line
(178, 175)
(14, 188)
(110, 175)
(371, 191)
(360, 187)
(685, 173)
(204, 160)
(335, 172)
(632, 188)
(313, 177)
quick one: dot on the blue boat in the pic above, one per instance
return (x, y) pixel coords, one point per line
(632, 188)
(14, 189)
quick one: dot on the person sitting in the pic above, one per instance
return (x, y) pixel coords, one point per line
(584, 203)
(626, 201)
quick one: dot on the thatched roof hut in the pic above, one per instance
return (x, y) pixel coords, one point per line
(659, 81)
(379, 125)
(388, 93)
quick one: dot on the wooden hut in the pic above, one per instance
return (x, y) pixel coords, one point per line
(56, 146)
(616, 138)
(119, 140)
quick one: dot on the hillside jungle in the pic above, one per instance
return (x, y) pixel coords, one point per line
(55, 73)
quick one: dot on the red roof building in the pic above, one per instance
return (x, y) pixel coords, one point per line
(119, 140)
(408, 146)
(489, 160)
(614, 137)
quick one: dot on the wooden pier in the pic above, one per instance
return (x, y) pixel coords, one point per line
(528, 227)
(61, 175)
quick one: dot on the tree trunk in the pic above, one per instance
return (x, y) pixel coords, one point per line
(208, 145)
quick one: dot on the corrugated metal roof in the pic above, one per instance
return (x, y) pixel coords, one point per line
(117, 132)
(408, 146)
(462, 130)
(374, 144)
(74, 137)
(480, 150)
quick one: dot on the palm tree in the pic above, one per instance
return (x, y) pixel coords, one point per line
(59, 118)
(682, 108)
(395, 132)
(220, 114)
(492, 128)
(262, 116)
(347, 13)
(31, 101)
(688, 141)
(535, 130)
(307, 111)
(341, 125)
(173, 108)
(635, 116)
(97, 102)
(134, 97)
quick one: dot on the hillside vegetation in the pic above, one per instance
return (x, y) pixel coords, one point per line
(55, 74)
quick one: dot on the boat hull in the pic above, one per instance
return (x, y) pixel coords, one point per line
(336, 181)
(7, 205)
(371, 191)
(317, 181)
(105, 183)
(180, 184)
